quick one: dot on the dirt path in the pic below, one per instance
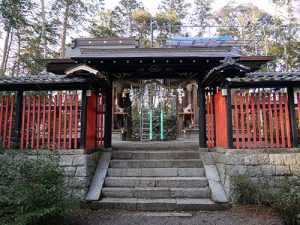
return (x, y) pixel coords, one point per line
(239, 215)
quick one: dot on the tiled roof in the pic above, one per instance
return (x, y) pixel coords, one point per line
(267, 77)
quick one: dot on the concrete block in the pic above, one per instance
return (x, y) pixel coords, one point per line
(70, 171)
(290, 159)
(211, 172)
(276, 159)
(190, 192)
(159, 172)
(282, 170)
(181, 182)
(267, 170)
(254, 171)
(82, 171)
(156, 204)
(80, 160)
(66, 160)
(117, 192)
(152, 193)
(251, 159)
(263, 159)
(125, 172)
(190, 172)
(217, 192)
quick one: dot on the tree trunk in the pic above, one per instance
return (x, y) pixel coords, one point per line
(64, 32)
(18, 53)
(44, 38)
(5, 52)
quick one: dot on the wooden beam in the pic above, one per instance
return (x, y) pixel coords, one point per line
(108, 116)
(202, 116)
(293, 118)
(18, 120)
(229, 118)
(83, 119)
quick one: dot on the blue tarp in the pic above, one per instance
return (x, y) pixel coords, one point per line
(220, 38)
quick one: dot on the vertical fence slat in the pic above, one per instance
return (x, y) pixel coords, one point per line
(54, 122)
(1, 115)
(236, 118)
(70, 121)
(253, 120)
(263, 98)
(49, 120)
(281, 121)
(259, 120)
(28, 121)
(270, 120)
(59, 121)
(76, 121)
(33, 122)
(248, 120)
(65, 121)
(287, 118)
(212, 122)
(38, 123)
(44, 122)
(242, 120)
(10, 122)
(208, 121)
(5, 122)
(23, 122)
(276, 120)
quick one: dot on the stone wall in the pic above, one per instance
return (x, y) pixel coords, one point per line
(79, 166)
(270, 169)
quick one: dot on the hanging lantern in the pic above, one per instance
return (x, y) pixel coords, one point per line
(123, 94)
(183, 94)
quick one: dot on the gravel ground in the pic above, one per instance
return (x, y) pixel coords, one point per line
(238, 215)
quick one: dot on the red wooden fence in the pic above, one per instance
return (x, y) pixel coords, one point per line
(6, 120)
(261, 120)
(210, 121)
(100, 120)
(50, 122)
(221, 120)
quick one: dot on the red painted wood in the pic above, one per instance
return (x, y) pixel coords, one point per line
(44, 122)
(28, 121)
(287, 123)
(212, 122)
(236, 119)
(76, 122)
(208, 121)
(263, 97)
(270, 120)
(259, 120)
(102, 122)
(1, 114)
(10, 121)
(38, 123)
(247, 119)
(242, 120)
(54, 122)
(276, 120)
(71, 121)
(59, 121)
(254, 121)
(33, 122)
(5, 122)
(23, 121)
(91, 118)
(49, 120)
(65, 120)
(281, 121)
(220, 123)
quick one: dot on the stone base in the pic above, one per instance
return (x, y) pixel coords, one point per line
(269, 169)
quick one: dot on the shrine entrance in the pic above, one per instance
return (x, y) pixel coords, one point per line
(155, 110)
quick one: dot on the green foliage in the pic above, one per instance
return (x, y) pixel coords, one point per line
(32, 191)
(286, 201)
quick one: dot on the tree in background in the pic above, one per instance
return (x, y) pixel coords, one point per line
(125, 11)
(201, 18)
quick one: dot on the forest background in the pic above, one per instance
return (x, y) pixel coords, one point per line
(35, 30)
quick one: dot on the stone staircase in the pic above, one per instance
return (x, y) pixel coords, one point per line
(156, 180)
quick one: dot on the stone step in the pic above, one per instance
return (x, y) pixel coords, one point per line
(155, 192)
(156, 172)
(164, 163)
(156, 154)
(180, 182)
(175, 204)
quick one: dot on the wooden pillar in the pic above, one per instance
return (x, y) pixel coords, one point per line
(293, 118)
(83, 119)
(18, 120)
(202, 116)
(91, 120)
(229, 118)
(108, 117)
